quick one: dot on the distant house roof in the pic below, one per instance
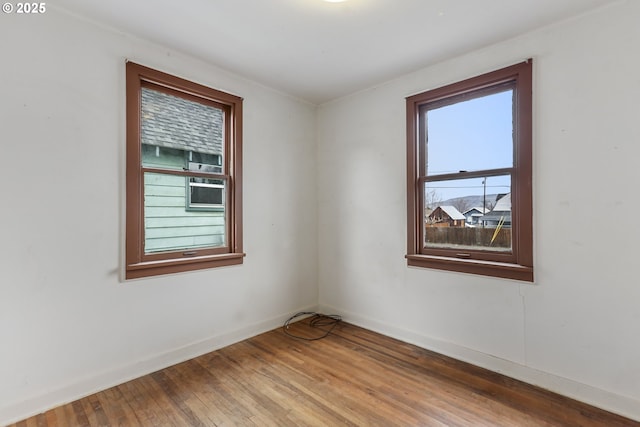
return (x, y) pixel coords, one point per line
(173, 122)
(452, 212)
(478, 211)
(503, 204)
(500, 212)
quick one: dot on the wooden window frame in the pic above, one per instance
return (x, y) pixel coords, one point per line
(518, 264)
(139, 264)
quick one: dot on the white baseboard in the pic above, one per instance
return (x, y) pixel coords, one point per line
(16, 411)
(621, 405)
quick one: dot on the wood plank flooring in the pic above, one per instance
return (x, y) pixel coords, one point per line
(353, 377)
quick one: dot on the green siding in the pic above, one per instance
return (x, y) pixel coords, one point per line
(168, 225)
(162, 157)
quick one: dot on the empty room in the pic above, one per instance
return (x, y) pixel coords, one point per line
(314, 212)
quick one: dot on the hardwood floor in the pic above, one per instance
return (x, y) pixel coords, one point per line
(354, 377)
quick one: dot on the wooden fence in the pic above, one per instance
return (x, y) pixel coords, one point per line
(465, 236)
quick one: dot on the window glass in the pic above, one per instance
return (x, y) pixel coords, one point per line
(476, 134)
(168, 226)
(178, 127)
(179, 134)
(473, 213)
(154, 156)
(206, 193)
(203, 162)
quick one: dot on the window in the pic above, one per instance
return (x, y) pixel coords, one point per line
(205, 194)
(469, 201)
(184, 175)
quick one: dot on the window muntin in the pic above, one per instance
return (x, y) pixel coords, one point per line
(462, 140)
(184, 208)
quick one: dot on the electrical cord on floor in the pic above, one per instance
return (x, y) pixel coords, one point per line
(316, 320)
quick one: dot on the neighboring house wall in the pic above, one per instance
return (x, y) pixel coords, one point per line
(168, 223)
(500, 214)
(473, 215)
(446, 216)
(165, 203)
(495, 218)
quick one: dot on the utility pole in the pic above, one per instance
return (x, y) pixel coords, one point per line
(484, 199)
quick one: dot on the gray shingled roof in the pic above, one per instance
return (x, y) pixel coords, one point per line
(174, 122)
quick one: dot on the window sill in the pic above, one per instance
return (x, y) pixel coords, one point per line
(471, 266)
(154, 268)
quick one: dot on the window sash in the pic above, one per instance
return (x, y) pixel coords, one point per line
(169, 227)
(450, 101)
(481, 252)
(477, 253)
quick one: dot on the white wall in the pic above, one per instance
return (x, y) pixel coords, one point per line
(576, 329)
(68, 325)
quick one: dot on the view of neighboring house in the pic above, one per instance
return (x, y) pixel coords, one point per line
(450, 216)
(473, 215)
(446, 226)
(446, 216)
(178, 134)
(500, 214)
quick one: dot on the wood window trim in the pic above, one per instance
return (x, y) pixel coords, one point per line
(517, 265)
(137, 263)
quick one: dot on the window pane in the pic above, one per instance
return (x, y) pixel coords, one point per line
(203, 162)
(470, 213)
(169, 225)
(154, 156)
(206, 193)
(470, 135)
(178, 133)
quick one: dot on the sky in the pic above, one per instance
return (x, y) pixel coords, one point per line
(471, 135)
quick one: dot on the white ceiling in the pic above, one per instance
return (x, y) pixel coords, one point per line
(317, 50)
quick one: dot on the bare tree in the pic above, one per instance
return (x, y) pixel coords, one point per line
(462, 204)
(431, 199)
